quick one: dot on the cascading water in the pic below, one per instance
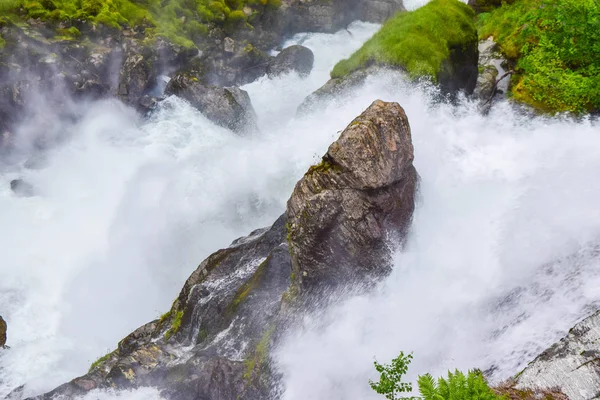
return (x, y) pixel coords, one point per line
(499, 264)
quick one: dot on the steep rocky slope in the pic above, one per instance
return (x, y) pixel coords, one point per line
(215, 341)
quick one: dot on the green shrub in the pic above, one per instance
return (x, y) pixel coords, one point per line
(390, 379)
(556, 47)
(417, 41)
(457, 386)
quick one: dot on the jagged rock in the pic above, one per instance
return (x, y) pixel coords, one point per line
(138, 72)
(492, 66)
(572, 364)
(21, 188)
(237, 303)
(294, 58)
(2, 332)
(228, 107)
(342, 210)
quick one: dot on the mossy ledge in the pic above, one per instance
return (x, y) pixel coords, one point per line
(417, 42)
(555, 49)
(100, 361)
(183, 22)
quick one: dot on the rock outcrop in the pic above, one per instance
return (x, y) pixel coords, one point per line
(228, 107)
(571, 365)
(294, 58)
(342, 210)
(214, 343)
(2, 332)
(492, 69)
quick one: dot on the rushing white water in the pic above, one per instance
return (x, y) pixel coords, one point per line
(127, 208)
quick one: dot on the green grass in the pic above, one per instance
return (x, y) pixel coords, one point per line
(556, 47)
(417, 41)
(99, 361)
(257, 359)
(181, 21)
(175, 325)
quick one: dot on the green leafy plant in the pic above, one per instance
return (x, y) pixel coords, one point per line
(555, 45)
(390, 380)
(457, 386)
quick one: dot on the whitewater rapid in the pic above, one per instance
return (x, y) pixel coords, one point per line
(500, 261)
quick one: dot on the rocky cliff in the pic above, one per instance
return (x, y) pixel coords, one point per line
(215, 341)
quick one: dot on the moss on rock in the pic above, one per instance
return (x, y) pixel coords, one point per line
(418, 41)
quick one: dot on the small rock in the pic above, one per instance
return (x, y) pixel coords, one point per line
(294, 58)
(21, 188)
(227, 107)
(229, 45)
(2, 332)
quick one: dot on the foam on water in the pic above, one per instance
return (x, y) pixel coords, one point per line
(126, 209)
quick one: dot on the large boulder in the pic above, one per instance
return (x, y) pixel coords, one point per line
(294, 58)
(570, 365)
(228, 107)
(215, 341)
(2, 332)
(343, 210)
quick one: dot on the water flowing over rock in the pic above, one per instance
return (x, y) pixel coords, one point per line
(570, 364)
(294, 58)
(214, 343)
(492, 68)
(363, 190)
(228, 107)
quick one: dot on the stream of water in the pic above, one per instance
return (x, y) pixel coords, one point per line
(500, 262)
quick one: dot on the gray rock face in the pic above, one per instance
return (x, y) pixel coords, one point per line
(214, 342)
(342, 211)
(228, 107)
(2, 332)
(572, 364)
(294, 58)
(492, 66)
(332, 15)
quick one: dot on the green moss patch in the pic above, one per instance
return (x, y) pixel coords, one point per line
(99, 361)
(556, 48)
(181, 21)
(257, 358)
(244, 291)
(417, 41)
(175, 325)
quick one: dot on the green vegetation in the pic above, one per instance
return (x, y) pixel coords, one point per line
(417, 41)
(99, 361)
(457, 386)
(175, 325)
(244, 291)
(556, 46)
(258, 357)
(181, 21)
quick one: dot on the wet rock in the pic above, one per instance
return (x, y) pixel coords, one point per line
(343, 211)
(2, 332)
(138, 72)
(238, 302)
(294, 58)
(21, 188)
(571, 365)
(333, 88)
(228, 107)
(492, 80)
